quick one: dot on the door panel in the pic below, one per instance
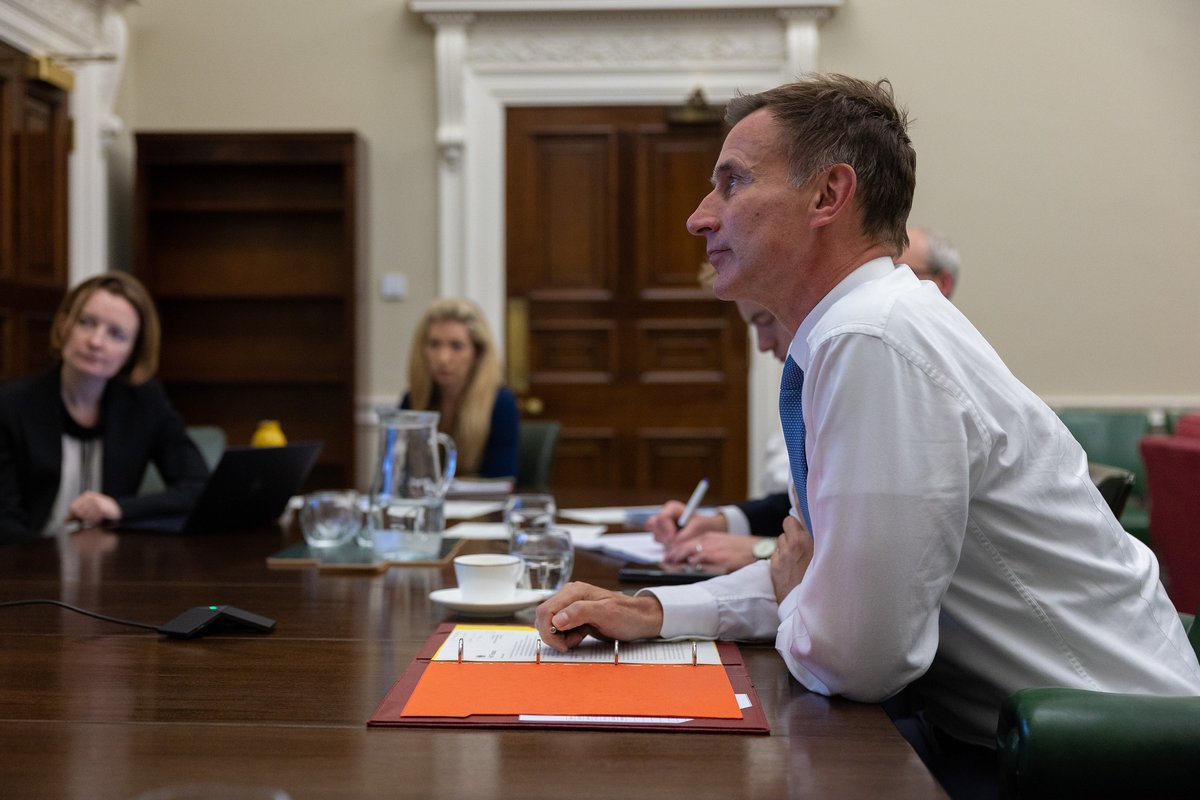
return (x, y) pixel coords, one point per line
(34, 143)
(643, 367)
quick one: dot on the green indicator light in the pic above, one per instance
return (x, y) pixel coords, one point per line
(212, 608)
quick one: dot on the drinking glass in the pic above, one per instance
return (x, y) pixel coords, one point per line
(329, 519)
(549, 557)
(524, 512)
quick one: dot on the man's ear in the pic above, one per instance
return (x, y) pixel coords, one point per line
(834, 191)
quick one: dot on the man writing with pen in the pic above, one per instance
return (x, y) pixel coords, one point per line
(955, 530)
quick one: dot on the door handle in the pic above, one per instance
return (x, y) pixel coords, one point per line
(533, 406)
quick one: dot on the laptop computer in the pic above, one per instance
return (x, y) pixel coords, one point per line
(250, 487)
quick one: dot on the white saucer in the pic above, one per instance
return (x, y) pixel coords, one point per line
(452, 598)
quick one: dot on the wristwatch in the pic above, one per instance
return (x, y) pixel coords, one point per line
(764, 548)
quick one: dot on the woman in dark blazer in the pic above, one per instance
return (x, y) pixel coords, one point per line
(75, 440)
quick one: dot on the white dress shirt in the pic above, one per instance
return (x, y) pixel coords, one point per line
(959, 542)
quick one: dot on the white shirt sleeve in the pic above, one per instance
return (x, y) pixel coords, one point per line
(864, 621)
(735, 520)
(740, 605)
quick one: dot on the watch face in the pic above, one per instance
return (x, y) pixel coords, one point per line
(764, 548)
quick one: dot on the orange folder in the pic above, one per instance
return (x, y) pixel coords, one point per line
(450, 689)
(588, 696)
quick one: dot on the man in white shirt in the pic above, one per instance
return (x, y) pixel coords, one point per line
(725, 538)
(958, 544)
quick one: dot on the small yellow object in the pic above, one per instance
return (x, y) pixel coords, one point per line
(269, 434)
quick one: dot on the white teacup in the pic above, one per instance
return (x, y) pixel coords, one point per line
(488, 577)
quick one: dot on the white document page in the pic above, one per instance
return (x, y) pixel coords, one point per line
(639, 547)
(520, 645)
(469, 509)
(581, 535)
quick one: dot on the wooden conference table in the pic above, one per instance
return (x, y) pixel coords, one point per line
(91, 709)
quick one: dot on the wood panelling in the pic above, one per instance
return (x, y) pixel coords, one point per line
(674, 167)
(573, 350)
(34, 145)
(682, 350)
(590, 456)
(680, 456)
(622, 339)
(574, 209)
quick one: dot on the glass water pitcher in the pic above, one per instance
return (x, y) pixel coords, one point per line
(406, 518)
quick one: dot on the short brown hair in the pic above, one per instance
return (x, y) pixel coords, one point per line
(835, 119)
(143, 359)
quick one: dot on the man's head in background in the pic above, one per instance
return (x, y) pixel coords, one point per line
(932, 257)
(769, 334)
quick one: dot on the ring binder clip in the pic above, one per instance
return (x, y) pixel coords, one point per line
(539, 651)
(693, 654)
(616, 652)
(460, 650)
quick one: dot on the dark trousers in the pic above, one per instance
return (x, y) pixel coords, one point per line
(966, 771)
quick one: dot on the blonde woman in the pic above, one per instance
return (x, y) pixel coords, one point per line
(454, 369)
(75, 439)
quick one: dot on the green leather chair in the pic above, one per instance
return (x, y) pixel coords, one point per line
(1112, 437)
(1064, 743)
(211, 442)
(535, 454)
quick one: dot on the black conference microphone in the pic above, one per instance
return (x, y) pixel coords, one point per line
(202, 620)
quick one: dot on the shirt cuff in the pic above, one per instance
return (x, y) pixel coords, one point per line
(688, 611)
(735, 520)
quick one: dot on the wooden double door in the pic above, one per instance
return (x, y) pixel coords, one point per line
(34, 144)
(609, 330)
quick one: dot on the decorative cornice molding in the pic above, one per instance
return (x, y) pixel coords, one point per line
(624, 47)
(56, 27)
(687, 6)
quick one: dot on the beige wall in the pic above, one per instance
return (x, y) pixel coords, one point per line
(1057, 146)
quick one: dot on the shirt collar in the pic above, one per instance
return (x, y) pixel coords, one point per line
(872, 270)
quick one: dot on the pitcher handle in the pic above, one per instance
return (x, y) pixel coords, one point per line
(451, 460)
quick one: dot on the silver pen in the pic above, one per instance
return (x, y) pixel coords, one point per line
(693, 502)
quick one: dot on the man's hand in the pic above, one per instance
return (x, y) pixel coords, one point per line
(93, 508)
(581, 609)
(664, 524)
(792, 557)
(725, 550)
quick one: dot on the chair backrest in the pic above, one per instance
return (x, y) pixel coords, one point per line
(210, 441)
(1188, 425)
(1173, 473)
(1111, 437)
(1114, 484)
(538, 443)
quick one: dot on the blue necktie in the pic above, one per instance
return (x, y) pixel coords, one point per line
(791, 415)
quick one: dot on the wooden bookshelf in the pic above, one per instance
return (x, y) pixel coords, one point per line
(249, 243)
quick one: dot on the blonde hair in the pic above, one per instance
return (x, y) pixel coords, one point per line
(474, 420)
(143, 359)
